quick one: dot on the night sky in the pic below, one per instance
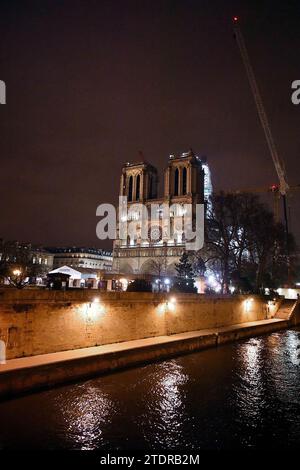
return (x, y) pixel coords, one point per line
(91, 83)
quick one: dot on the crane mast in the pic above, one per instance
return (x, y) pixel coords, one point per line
(279, 166)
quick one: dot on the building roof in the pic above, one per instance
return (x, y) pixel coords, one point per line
(76, 249)
(67, 270)
(143, 164)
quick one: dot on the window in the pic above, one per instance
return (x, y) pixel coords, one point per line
(130, 188)
(150, 187)
(137, 192)
(176, 181)
(184, 181)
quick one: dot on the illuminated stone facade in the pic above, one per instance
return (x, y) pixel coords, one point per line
(183, 184)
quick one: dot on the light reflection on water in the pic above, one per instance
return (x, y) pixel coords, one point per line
(83, 411)
(244, 394)
(249, 389)
(166, 395)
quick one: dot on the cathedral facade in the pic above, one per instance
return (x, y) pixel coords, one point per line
(186, 181)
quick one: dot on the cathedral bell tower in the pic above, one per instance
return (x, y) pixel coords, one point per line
(138, 182)
(160, 249)
(184, 177)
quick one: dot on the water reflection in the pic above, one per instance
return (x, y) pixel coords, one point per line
(249, 395)
(293, 347)
(237, 395)
(164, 404)
(83, 412)
(249, 368)
(285, 367)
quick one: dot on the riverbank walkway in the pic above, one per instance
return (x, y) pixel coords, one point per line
(46, 370)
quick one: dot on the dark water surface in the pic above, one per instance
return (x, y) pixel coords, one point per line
(245, 394)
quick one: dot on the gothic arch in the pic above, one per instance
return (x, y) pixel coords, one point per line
(176, 182)
(125, 268)
(184, 180)
(138, 188)
(147, 267)
(130, 188)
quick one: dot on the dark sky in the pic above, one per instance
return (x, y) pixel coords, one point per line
(90, 83)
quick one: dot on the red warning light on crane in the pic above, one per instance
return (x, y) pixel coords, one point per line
(235, 19)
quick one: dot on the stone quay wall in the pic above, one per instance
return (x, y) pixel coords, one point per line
(36, 322)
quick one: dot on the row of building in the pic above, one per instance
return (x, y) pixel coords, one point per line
(92, 263)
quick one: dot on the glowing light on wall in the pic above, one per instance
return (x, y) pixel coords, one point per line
(161, 309)
(169, 305)
(272, 306)
(247, 304)
(93, 310)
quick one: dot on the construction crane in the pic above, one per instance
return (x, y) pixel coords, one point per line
(278, 163)
(272, 189)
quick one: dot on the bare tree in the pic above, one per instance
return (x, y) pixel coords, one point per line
(243, 240)
(158, 266)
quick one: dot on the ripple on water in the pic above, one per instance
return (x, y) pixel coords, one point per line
(244, 394)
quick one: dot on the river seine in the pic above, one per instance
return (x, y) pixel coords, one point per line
(241, 395)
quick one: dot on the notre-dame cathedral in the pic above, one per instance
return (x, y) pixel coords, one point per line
(186, 181)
